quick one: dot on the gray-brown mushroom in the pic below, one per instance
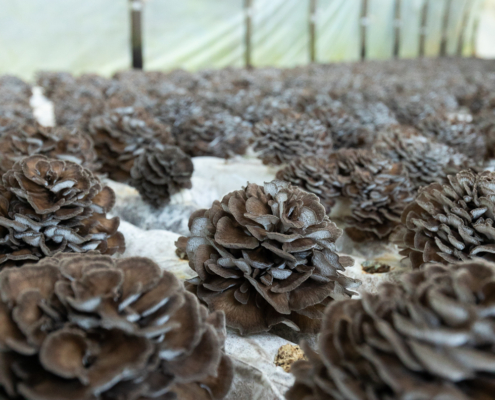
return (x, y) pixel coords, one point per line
(427, 337)
(266, 255)
(88, 327)
(51, 206)
(452, 222)
(57, 143)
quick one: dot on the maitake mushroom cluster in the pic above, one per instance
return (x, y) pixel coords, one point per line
(266, 255)
(424, 160)
(452, 222)
(282, 139)
(52, 206)
(160, 173)
(14, 99)
(93, 328)
(137, 149)
(314, 175)
(121, 135)
(456, 131)
(56, 143)
(373, 190)
(428, 337)
(215, 134)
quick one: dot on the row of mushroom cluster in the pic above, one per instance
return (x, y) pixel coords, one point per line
(387, 151)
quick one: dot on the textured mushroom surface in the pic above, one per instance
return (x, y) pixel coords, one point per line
(451, 222)
(280, 140)
(51, 206)
(266, 255)
(314, 175)
(59, 143)
(14, 99)
(88, 327)
(428, 337)
(485, 122)
(161, 172)
(346, 130)
(378, 191)
(425, 160)
(456, 131)
(216, 134)
(121, 135)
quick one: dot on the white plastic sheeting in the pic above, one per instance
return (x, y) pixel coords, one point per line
(72, 35)
(93, 35)
(193, 34)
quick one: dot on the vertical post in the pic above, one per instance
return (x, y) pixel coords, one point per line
(136, 34)
(397, 26)
(445, 27)
(423, 28)
(312, 30)
(364, 26)
(462, 33)
(248, 22)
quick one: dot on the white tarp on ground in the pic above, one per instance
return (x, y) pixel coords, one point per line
(93, 35)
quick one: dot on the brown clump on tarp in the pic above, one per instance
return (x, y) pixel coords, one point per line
(287, 355)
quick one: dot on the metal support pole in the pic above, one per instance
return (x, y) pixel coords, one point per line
(136, 34)
(312, 30)
(462, 34)
(248, 23)
(423, 28)
(364, 26)
(397, 26)
(445, 27)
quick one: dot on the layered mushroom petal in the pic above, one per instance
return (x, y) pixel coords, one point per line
(160, 173)
(93, 328)
(57, 143)
(429, 336)
(51, 206)
(266, 255)
(452, 222)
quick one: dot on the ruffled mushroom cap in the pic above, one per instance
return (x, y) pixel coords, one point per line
(8, 125)
(452, 222)
(347, 131)
(312, 174)
(14, 99)
(121, 135)
(281, 140)
(58, 143)
(426, 161)
(50, 206)
(266, 255)
(457, 132)
(216, 134)
(428, 337)
(485, 123)
(378, 191)
(88, 327)
(161, 172)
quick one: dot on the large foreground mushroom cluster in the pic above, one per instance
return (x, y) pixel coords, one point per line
(392, 155)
